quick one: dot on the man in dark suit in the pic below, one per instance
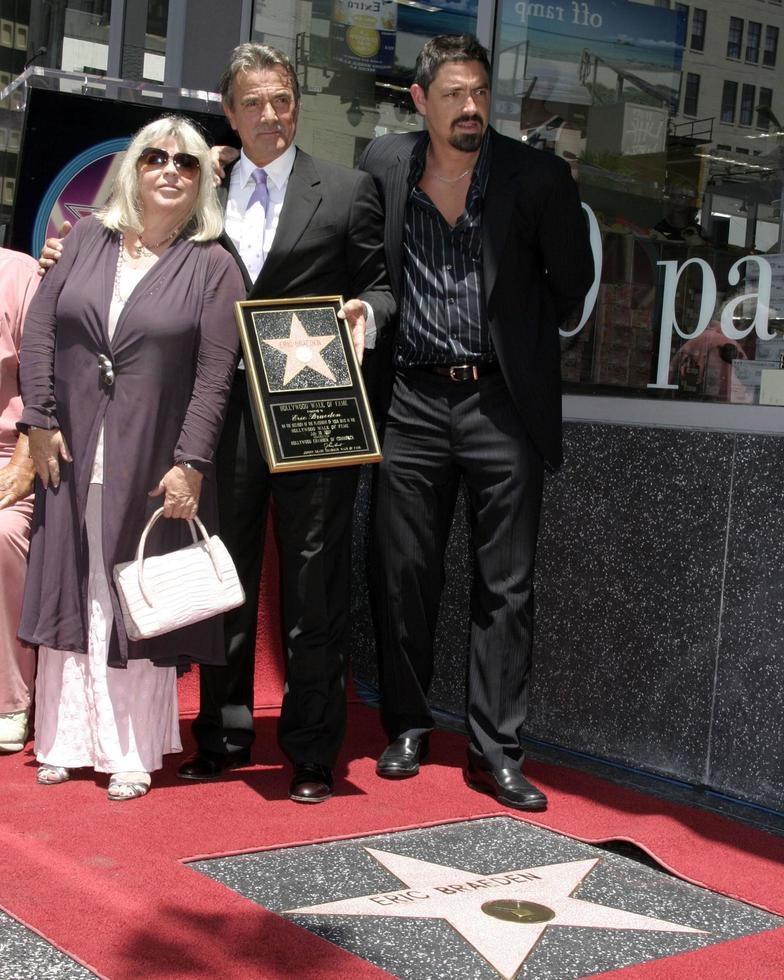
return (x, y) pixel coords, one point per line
(488, 252)
(298, 227)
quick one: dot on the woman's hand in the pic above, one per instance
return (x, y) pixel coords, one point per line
(182, 487)
(220, 158)
(47, 448)
(16, 479)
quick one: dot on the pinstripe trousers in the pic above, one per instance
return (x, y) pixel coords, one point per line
(438, 431)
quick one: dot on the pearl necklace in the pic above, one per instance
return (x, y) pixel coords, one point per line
(143, 251)
(118, 272)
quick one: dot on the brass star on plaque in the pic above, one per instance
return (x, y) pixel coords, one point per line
(302, 351)
(502, 915)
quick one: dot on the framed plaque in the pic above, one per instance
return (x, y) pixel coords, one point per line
(306, 384)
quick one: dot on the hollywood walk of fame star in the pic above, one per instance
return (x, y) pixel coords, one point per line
(501, 915)
(302, 351)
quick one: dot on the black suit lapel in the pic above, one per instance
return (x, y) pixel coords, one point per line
(496, 212)
(396, 201)
(303, 197)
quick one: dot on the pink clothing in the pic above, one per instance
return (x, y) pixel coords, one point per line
(17, 662)
(18, 282)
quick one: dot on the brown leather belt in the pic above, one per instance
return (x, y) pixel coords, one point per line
(459, 372)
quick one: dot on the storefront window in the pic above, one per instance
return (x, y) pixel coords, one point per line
(670, 120)
(74, 36)
(355, 62)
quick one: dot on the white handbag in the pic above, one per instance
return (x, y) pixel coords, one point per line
(165, 592)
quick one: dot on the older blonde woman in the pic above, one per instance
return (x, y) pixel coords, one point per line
(127, 359)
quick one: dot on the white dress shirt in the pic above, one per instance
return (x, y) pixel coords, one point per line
(241, 187)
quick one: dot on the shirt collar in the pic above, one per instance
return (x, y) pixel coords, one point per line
(481, 168)
(278, 170)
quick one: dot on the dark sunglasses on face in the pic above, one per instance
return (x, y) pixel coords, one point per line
(186, 163)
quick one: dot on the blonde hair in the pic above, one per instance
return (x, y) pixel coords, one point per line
(123, 209)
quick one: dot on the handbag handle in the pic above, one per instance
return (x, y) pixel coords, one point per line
(143, 540)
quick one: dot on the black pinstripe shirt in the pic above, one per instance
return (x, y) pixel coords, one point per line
(442, 304)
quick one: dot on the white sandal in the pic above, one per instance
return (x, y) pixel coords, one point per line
(128, 785)
(52, 775)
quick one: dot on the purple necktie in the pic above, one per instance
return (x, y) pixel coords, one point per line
(255, 221)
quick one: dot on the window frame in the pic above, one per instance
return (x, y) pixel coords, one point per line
(735, 38)
(770, 51)
(755, 50)
(691, 93)
(746, 106)
(728, 111)
(699, 29)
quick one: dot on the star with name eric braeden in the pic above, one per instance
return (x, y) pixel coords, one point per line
(302, 351)
(501, 915)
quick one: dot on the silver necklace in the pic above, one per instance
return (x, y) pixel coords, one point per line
(449, 180)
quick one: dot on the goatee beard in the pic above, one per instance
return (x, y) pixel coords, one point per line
(466, 142)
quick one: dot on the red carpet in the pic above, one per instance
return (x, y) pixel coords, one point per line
(105, 882)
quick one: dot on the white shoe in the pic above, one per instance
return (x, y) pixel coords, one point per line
(13, 731)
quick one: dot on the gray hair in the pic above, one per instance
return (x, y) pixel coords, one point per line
(123, 210)
(253, 56)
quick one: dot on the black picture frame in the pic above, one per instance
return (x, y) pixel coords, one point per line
(307, 391)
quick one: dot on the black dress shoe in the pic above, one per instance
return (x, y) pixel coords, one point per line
(508, 786)
(209, 765)
(312, 783)
(402, 757)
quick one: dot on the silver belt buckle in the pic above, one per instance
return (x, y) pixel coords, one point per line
(457, 372)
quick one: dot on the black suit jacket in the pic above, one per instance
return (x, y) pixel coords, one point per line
(329, 240)
(536, 258)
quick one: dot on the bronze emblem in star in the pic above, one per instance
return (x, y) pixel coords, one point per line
(301, 351)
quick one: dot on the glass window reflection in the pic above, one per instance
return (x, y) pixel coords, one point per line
(355, 62)
(670, 121)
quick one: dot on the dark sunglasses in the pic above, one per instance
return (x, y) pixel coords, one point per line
(186, 163)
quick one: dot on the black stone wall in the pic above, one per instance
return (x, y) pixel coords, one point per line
(660, 606)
